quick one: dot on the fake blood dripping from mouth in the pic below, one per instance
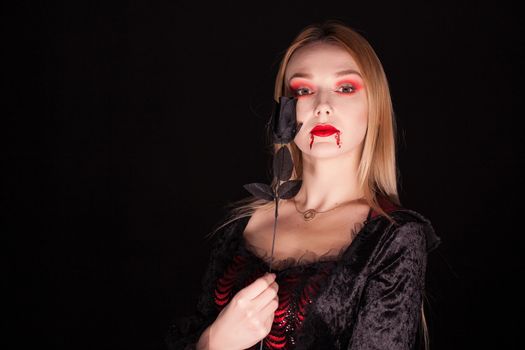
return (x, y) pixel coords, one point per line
(325, 130)
(338, 138)
(336, 134)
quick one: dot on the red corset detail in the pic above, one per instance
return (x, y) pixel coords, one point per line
(298, 286)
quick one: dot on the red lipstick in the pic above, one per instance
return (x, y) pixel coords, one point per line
(323, 130)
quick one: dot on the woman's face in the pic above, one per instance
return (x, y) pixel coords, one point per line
(330, 95)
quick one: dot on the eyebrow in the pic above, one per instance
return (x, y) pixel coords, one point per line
(338, 74)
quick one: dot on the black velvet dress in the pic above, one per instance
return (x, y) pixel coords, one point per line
(368, 296)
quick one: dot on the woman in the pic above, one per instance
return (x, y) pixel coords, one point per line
(349, 260)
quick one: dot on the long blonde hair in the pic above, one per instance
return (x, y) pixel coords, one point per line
(377, 171)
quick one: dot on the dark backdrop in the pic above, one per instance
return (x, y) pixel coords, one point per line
(130, 125)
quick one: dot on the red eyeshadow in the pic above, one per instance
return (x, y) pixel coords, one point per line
(296, 84)
(357, 85)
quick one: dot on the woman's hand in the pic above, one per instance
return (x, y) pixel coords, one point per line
(247, 318)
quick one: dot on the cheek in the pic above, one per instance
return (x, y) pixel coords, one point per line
(356, 118)
(356, 110)
(302, 108)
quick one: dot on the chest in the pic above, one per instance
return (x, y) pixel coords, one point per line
(296, 238)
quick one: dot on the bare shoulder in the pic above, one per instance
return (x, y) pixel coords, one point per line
(257, 233)
(261, 218)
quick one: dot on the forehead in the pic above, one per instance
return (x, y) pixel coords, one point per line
(319, 59)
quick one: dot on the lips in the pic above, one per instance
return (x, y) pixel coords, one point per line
(323, 130)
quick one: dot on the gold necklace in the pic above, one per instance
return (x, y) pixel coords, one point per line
(311, 213)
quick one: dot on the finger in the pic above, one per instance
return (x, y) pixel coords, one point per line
(257, 287)
(269, 312)
(266, 296)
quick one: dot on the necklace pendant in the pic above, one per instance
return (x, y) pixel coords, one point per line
(309, 214)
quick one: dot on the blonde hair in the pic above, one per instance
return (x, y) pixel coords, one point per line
(377, 171)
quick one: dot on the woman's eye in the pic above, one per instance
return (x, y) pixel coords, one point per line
(346, 89)
(301, 91)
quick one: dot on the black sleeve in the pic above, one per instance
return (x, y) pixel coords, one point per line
(389, 313)
(185, 331)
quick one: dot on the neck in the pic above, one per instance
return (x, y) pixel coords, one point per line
(328, 182)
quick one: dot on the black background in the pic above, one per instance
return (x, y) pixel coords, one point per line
(130, 125)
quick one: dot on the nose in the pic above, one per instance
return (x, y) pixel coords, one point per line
(323, 110)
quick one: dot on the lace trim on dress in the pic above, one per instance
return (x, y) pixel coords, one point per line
(307, 259)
